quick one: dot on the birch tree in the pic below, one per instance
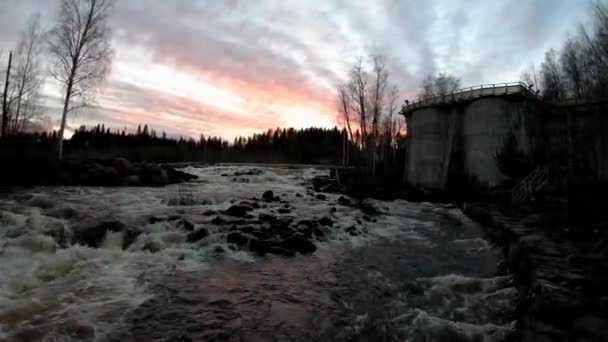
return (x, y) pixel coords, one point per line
(27, 77)
(81, 51)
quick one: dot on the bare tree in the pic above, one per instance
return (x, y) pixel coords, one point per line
(27, 78)
(439, 85)
(80, 47)
(577, 68)
(5, 108)
(344, 108)
(391, 125)
(377, 101)
(552, 83)
(358, 94)
(531, 77)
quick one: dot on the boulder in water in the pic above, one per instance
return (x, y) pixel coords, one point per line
(92, 235)
(345, 201)
(198, 235)
(237, 238)
(268, 196)
(238, 210)
(326, 221)
(299, 244)
(185, 224)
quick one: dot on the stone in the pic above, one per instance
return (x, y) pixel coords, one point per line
(122, 166)
(352, 230)
(185, 224)
(238, 210)
(152, 247)
(321, 197)
(59, 232)
(284, 211)
(237, 238)
(268, 196)
(367, 218)
(210, 213)
(299, 244)
(333, 210)
(92, 235)
(345, 201)
(298, 195)
(263, 217)
(326, 221)
(133, 180)
(197, 235)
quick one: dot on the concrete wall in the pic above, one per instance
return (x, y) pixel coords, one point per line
(487, 122)
(428, 147)
(473, 132)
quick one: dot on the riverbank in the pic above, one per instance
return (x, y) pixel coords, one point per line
(562, 282)
(89, 172)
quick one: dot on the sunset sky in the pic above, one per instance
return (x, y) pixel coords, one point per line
(236, 67)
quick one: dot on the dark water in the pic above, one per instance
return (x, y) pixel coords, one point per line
(421, 273)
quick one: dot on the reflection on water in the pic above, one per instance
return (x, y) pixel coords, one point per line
(421, 272)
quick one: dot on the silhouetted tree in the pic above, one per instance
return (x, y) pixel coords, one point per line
(80, 47)
(439, 85)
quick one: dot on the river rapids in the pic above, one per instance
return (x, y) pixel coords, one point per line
(415, 272)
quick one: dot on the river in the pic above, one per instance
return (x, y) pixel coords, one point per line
(416, 272)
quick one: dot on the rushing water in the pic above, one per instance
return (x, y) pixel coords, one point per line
(421, 271)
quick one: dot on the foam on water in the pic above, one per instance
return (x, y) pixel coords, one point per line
(47, 284)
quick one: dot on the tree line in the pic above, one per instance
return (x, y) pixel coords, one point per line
(579, 69)
(80, 54)
(300, 146)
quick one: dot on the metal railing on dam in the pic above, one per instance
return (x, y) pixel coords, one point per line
(465, 94)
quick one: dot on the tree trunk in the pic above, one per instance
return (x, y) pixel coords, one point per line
(66, 104)
(5, 96)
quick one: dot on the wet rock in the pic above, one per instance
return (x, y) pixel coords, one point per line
(325, 184)
(42, 202)
(299, 244)
(252, 204)
(321, 197)
(280, 223)
(92, 235)
(333, 210)
(326, 221)
(263, 217)
(197, 235)
(156, 219)
(185, 224)
(352, 230)
(268, 196)
(284, 211)
(210, 213)
(319, 233)
(63, 213)
(59, 232)
(237, 238)
(122, 166)
(367, 218)
(238, 210)
(133, 180)
(345, 201)
(154, 175)
(152, 247)
(277, 199)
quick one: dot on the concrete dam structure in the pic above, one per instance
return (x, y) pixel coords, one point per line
(456, 138)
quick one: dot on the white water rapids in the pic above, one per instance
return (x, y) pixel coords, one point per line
(417, 272)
